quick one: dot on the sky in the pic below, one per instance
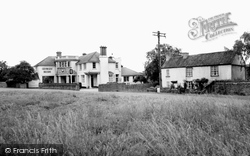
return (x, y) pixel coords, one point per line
(31, 30)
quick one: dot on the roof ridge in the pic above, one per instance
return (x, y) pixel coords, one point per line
(43, 60)
(223, 57)
(92, 55)
(210, 53)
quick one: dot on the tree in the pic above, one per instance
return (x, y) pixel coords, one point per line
(152, 64)
(201, 83)
(3, 71)
(141, 79)
(242, 46)
(22, 73)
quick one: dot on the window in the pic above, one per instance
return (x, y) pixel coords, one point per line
(84, 66)
(168, 84)
(94, 65)
(189, 72)
(126, 78)
(189, 84)
(110, 77)
(80, 65)
(167, 73)
(116, 77)
(214, 71)
(83, 78)
(46, 68)
(116, 65)
(68, 63)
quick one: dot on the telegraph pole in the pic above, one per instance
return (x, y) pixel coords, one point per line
(159, 34)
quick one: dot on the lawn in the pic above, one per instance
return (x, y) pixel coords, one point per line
(89, 123)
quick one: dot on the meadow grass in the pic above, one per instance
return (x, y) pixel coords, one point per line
(127, 123)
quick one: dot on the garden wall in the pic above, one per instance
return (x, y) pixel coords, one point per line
(231, 87)
(64, 86)
(122, 87)
(13, 84)
(3, 85)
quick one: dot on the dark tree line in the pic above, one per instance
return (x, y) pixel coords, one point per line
(20, 73)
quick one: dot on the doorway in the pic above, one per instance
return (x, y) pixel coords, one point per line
(92, 81)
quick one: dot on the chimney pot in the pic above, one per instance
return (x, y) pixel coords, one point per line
(58, 54)
(103, 50)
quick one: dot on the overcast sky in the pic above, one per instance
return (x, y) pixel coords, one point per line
(31, 30)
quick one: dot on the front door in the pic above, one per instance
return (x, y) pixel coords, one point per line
(92, 81)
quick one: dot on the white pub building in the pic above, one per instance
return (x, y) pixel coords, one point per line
(89, 70)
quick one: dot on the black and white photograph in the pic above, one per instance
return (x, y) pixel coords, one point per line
(124, 78)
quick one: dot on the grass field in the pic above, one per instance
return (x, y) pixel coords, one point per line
(127, 123)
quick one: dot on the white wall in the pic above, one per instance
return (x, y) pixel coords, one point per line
(104, 75)
(112, 68)
(42, 71)
(34, 84)
(119, 69)
(179, 74)
(73, 65)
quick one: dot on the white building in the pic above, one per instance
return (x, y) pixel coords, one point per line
(225, 65)
(89, 69)
(128, 75)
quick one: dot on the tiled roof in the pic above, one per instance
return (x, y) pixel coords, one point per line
(207, 59)
(110, 60)
(92, 57)
(129, 72)
(48, 61)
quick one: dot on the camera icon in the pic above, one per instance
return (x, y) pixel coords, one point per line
(7, 150)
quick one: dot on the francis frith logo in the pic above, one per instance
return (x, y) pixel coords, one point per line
(210, 28)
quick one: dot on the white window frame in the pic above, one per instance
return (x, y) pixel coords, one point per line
(167, 73)
(110, 77)
(189, 72)
(168, 84)
(189, 84)
(214, 71)
(126, 78)
(83, 78)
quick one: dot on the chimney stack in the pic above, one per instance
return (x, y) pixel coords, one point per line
(103, 51)
(58, 54)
